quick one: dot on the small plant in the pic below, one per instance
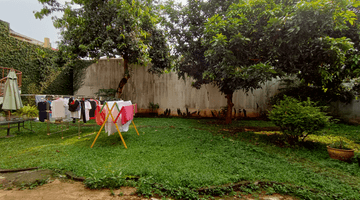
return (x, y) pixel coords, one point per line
(339, 145)
(298, 119)
(121, 194)
(107, 94)
(112, 192)
(29, 111)
(153, 106)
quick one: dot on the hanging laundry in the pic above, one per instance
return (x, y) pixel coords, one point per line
(74, 108)
(124, 127)
(110, 126)
(87, 110)
(99, 117)
(58, 109)
(92, 110)
(127, 114)
(42, 111)
(67, 112)
(82, 104)
(39, 98)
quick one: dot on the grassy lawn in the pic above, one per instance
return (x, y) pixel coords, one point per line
(175, 157)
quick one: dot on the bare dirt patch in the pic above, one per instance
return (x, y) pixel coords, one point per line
(59, 190)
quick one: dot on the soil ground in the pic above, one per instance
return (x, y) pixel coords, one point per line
(15, 186)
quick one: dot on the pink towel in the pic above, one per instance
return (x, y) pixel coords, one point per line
(127, 113)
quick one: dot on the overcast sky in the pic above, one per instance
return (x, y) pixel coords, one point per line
(19, 13)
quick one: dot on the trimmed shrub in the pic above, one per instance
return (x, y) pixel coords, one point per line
(298, 119)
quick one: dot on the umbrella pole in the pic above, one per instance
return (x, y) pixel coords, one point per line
(9, 115)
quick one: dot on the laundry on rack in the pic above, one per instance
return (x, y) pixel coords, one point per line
(87, 110)
(99, 116)
(40, 98)
(82, 111)
(93, 108)
(64, 109)
(127, 114)
(74, 108)
(42, 107)
(110, 126)
(60, 109)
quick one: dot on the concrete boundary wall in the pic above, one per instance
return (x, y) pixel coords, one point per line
(348, 112)
(170, 92)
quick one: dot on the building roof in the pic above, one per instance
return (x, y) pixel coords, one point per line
(25, 38)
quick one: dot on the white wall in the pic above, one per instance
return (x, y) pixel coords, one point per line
(170, 92)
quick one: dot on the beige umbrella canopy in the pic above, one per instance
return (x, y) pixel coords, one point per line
(12, 100)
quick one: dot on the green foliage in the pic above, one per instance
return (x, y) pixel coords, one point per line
(39, 67)
(176, 161)
(125, 28)
(29, 111)
(153, 106)
(108, 181)
(218, 43)
(339, 145)
(298, 119)
(241, 44)
(106, 94)
(301, 91)
(318, 42)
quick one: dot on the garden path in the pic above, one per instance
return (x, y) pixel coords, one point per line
(72, 190)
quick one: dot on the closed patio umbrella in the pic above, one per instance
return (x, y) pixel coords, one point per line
(12, 100)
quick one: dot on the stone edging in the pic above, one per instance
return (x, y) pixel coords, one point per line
(72, 176)
(17, 170)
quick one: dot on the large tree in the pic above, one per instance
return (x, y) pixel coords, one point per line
(239, 44)
(318, 42)
(111, 28)
(215, 46)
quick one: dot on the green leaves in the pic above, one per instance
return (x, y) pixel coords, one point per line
(112, 28)
(298, 119)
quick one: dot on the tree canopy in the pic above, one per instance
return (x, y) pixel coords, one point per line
(318, 42)
(126, 28)
(240, 44)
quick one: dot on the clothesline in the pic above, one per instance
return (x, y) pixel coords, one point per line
(60, 95)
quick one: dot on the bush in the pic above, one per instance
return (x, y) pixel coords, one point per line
(298, 119)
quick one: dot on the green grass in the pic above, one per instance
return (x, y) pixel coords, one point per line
(174, 156)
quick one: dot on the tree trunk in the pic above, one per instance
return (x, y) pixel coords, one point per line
(230, 105)
(71, 71)
(123, 80)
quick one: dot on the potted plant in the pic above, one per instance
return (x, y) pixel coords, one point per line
(338, 151)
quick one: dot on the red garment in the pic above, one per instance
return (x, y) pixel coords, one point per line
(127, 114)
(99, 117)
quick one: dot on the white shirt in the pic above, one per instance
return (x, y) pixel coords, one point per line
(87, 110)
(58, 109)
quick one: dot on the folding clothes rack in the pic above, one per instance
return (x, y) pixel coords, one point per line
(117, 128)
(66, 124)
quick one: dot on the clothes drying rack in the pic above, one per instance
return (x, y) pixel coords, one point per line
(64, 126)
(113, 119)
